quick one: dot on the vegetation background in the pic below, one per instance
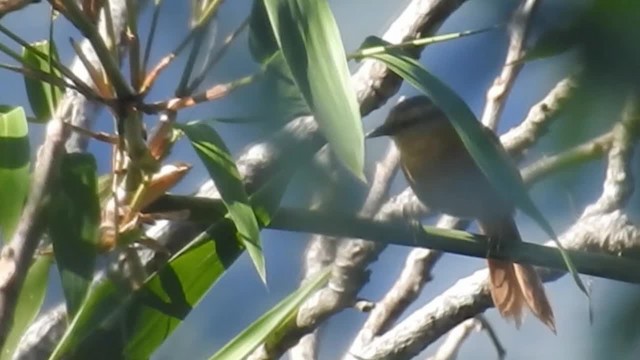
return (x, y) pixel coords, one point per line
(469, 66)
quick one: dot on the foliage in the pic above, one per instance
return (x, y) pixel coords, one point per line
(96, 226)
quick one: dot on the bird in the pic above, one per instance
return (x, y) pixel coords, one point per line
(446, 179)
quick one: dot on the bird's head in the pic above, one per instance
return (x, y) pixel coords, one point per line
(414, 116)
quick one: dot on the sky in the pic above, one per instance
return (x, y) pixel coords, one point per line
(469, 66)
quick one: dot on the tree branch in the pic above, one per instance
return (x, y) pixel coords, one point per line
(386, 170)
(374, 84)
(420, 261)
(75, 109)
(540, 117)
(602, 227)
(452, 241)
(451, 345)
(16, 256)
(415, 274)
(497, 94)
(418, 19)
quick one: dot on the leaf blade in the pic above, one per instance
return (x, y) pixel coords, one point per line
(268, 324)
(74, 215)
(14, 167)
(214, 154)
(149, 315)
(29, 303)
(309, 38)
(43, 97)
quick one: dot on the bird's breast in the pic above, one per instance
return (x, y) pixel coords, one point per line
(445, 178)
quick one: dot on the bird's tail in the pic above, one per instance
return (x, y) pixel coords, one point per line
(515, 285)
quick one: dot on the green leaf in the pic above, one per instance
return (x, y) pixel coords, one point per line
(28, 304)
(104, 188)
(554, 42)
(14, 167)
(74, 221)
(492, 159)
(43, 97)
(266, 200)
(416, 43)
(271, 322)
(308, 36)
(262, 42)
(280, 93)
(224, 173)
(132, 326)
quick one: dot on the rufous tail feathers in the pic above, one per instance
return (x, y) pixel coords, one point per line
(515, 285)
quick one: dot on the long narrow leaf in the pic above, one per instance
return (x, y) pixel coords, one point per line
(43, 97)
(74, 221)
(222, 169)
(262, 42)
(269, 323)
(14, 167)
(28, 305)
(308, 36)
(143, 319)
(120, 325)
(491, 158)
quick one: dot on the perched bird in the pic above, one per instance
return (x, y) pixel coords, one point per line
(444, 176)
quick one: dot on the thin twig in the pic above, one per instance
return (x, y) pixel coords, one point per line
(213, 93)
(8, 6)
(152, 34)
(153, 74)
(100, 136)
(497, 94)
(74, 109)
(212, 60)
(540, 117)
(415, 274)
(457, 336)
(18, 253)
(451, 345)
(486, 326)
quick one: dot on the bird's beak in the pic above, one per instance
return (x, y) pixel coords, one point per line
(381, 130)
